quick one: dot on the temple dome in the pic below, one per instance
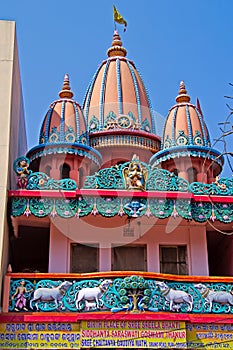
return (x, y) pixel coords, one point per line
(64, 131)
(186, 136)
(116, 97)
(185, 124)
(64, 122)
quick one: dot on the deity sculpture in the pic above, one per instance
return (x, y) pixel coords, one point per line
(21, 166)
(20, 294)
(135, 175)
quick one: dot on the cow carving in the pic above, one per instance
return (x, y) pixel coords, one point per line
(175, 297)
(210, 296)
(92, 294)
(50, 294)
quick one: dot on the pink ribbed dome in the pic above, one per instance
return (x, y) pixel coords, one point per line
(64, 122)
(186, 142)
(185, 124)
(116, 98)
(63, 134)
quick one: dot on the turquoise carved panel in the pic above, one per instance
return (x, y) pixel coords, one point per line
(132, 294)
(132, 207)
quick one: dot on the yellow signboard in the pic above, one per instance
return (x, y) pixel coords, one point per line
(39, 336)
(116, 334)
(209, 336)
(133, 334)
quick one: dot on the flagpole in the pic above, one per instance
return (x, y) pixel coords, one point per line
(118, 18)
(114, 23)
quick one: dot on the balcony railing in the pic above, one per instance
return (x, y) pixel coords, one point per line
(111, 293)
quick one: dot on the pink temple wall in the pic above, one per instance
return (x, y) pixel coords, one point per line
(162, 232)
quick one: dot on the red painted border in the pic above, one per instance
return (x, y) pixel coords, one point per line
(75, 317)
(139, 133)
(116, 274)
(120, 193)
(155, 316)
(42, 194)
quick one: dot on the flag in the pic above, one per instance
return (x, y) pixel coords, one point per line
(199, 107)
(118, 18)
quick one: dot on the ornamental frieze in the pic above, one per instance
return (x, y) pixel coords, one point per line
(134, 175)
(131, 294)
(116, 206)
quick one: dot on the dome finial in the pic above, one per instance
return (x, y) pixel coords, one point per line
(66, 90)
(116, 49)
(182, 97)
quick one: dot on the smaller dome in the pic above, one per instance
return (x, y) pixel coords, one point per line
(186, 136)
(64, 131)
(185, 125)
(64, 122)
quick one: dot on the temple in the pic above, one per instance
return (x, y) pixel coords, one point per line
(112, 236)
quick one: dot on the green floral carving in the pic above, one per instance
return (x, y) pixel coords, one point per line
(41, 207)
(161, 208)
(201, 211)
(110, 178)
(222, 187)
(90, 182)
(223, 212)
(158, 179)
(19, 205)
(66, 208)
(70, 135)
(133, 207)
(183, 208)
(163, 180)
(85, 205)
(41, 181)
(108, 206)
(167, 142)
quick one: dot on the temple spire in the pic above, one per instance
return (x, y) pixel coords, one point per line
(66, 90)
(182, 96)
(116, 49)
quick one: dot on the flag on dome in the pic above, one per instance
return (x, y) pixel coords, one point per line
(118, 18)
(199, 107)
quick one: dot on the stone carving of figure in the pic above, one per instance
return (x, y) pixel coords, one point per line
(135, 175)
(20, 296)
(22, 172)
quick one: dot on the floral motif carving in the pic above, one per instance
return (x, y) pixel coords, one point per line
(132, 294)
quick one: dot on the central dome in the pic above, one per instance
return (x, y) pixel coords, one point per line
(116, 97)
(118, 111)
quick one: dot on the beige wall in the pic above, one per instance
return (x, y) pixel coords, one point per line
(12, 127)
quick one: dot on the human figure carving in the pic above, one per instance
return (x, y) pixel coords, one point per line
(20, 295)
(22, 173)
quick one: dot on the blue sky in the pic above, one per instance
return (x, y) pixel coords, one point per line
(168, 41)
